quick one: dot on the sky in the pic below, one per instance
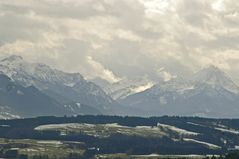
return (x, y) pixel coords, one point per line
(117, 39)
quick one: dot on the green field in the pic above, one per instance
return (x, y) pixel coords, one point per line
(112, 137)
(41, 148)
(44, 149)
(103, 130)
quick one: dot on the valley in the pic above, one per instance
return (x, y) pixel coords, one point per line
(118, 137)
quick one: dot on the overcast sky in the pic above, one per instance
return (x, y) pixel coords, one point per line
(114, 39)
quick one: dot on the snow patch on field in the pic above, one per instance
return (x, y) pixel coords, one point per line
(203, 143)
(175, 156)
(102, 130)
(50, 142)
(63, 126)
(232, 131)
(115, 125)
(178, 130)
(191, 123)
(5, 126)
(31, 150)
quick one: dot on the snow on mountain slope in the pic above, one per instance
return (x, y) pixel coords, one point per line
(214, 77)
(129, 90)
(29, 74)
(16, 100)
(124, 87)
(210, 93)
(177, 85)
(63, 87)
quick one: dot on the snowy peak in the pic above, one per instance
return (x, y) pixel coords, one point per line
(215, 77)
(209, 93)
(127, 87)
(61, 86)
(37, 74)
(210, 74)
(177, 84)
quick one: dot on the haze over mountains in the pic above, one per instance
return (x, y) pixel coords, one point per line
(33, 89)
(70, 91)
(124, 87)
(209, 93)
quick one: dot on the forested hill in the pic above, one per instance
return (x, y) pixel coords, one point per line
(131, 135)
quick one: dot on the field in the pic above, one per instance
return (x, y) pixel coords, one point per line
(32, 149)
(113, 137)
(40, 148)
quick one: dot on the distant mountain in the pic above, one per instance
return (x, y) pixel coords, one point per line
(123, 88)
(210, 93)
(65, 88)
(34, 89)
(214, 77)
(100, 82)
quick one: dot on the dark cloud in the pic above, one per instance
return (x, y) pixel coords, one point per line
(128, 38)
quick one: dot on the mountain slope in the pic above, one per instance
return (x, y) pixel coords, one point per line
(26, 101)
(214, 77)
(210, 93)
(63, 87)
(123, 88)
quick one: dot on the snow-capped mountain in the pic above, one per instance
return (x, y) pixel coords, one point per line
(214, 77)
(125, 87)
(210, 93)
(36, 74)
(32, 89)
(63, 87)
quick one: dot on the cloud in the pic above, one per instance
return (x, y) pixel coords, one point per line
(218, 5)
(155, 6)
(165, 75)
(100, 71)
(142, 88)
(113, 39)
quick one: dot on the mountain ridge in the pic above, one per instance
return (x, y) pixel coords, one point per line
(206, 96)
(57, 84)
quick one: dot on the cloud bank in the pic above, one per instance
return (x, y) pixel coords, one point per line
(115, 39)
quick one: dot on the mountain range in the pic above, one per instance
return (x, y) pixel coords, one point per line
(69, 91)
(124, 87)
(209, 93)
(34, 89)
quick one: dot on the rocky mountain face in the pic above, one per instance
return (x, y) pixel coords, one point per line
(69, 89)
(34, 89)
(19, 101)
(209, 93)
(123, 88)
